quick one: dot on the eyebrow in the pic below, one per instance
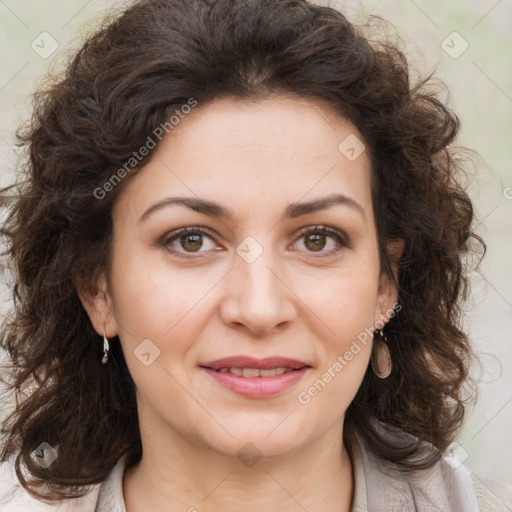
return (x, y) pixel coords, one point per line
(215, 210)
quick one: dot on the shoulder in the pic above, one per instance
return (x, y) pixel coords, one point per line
(14, 498)
(492, 495)
(444, 486)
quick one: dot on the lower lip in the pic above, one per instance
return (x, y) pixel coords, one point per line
(257, 386)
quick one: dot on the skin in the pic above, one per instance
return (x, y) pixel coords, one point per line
(254, 158)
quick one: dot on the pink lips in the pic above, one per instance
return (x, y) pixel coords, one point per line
(256, 386)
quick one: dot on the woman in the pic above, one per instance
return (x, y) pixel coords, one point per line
(239, 270)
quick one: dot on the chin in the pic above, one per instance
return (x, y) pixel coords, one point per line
(271, 438)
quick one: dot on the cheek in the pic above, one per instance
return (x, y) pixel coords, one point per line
(346, 314)
(345, 300)
(154, 302)
(154, 299)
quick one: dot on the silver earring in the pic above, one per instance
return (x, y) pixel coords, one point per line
(381, 358)
(106, 348)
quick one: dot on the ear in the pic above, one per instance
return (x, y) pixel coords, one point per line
(388, 292)
(96, 301)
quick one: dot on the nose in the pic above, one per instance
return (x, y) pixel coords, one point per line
(257, 298)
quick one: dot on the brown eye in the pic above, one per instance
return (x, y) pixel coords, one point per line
(317, 238)
(315, 241)
(187, 241)
(191, 242)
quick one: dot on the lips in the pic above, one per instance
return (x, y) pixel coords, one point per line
(256, 378)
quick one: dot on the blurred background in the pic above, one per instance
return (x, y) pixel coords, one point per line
(469, 43)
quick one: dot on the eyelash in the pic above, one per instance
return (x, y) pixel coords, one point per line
(166, 240)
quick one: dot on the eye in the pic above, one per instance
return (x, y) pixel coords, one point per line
(317, 238)
(187, 241)
(190, 239)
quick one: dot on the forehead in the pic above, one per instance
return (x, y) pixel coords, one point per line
(279, 122)
(277, 150)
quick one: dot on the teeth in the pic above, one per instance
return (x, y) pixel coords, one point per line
(255, 372)
(249, 372)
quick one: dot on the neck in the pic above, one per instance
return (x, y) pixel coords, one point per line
(178, 474)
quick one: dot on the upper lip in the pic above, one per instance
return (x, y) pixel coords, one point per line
(251, 362)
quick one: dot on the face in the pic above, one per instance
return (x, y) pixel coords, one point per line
(266, 271)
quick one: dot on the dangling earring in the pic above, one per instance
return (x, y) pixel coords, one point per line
(380, 358)
(106, 348)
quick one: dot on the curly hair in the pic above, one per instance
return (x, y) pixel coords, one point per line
(124, 81)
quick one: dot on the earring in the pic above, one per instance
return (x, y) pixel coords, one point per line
(106, 348)
(380, 358)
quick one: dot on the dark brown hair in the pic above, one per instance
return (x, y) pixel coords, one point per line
(125, 81)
